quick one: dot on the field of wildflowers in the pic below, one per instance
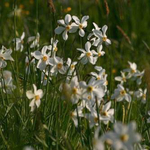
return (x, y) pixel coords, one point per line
(74, 75)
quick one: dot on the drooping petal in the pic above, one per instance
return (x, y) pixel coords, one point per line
(65, 35)
(81, 32)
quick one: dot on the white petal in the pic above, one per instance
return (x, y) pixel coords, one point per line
(87, 46)
(61, 22)
(38, 102)
(81, 32)
(84, 18)
(59, 30)
(67, 19)
(30, 94)
(65, 35)
(76, 19)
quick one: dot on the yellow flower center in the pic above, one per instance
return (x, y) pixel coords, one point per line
(89, 97)
(124, 79)
(98, 78)
(99, 54)
(74, 90)
(123, 92)
(59, 65)
(68, 27)
(90, 89)
(88, 54)
(104, 113)
(80, 26)
(96, 119)
(124, 137)
(144, 96)
(72, 114)
(104, 38)
(133, 71)
(44, 58)
(1, 57)
(72, 67)
(37, 97)
(55, 49)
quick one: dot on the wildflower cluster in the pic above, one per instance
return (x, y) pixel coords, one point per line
(90, 99)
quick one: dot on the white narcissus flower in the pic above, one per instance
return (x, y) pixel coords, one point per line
(19, 42)
(102, 37)
(97, 142)
(96, 27)
(7, 82)
(123, 136)
(57, 65)
(36, 96)
(71, 90)
(141, 94)
(53, 46)
(66, 26)
(77, 113)
(81, 24)
(132, 70)
(94, 89)
(5, 54)
(28, 64)
(121, 94)
(34, 40)
(99, 52)
(87, 54)
(123, 78)
(106, 114)
(138, 77)
(71, 66)
(148, 120)
(43, 58)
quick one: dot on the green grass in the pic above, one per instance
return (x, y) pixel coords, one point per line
(50, 127)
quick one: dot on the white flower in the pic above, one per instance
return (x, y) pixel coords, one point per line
(71, 90)
(19, 42)
(36, 96)
(106, 114)
(7, 84)
(94, 89)
(138, 77)
(96, 27)
(97, 142)
(43, 58)
(102, 37)
(81, 24)
(75, 114)
(71, 66)
(93, 117)
(87, 54)
(57, 65)
(101, 75)
(28, 64)
(148, 120)
(121, 94)
(123, 136)
(34, 40)
(99, 52)
(132, 70)
(123, 78)
(53, 46)
(66, 27)
(141, 94)
(5, 54)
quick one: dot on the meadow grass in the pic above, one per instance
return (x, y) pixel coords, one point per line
(51, 126)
